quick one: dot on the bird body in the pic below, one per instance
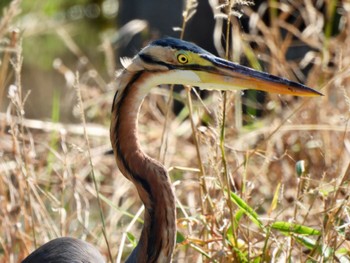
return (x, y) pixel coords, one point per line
(164, 61)
(65, 250)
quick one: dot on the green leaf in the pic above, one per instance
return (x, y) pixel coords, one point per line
(342, 251)
(294, 228)
(132, 239)
(275, 199)
(179, 237)
(229, 235)
(300, 168)
(241, 254)
(200, 250)
(239, 215)
(247, 210)
(306, 241)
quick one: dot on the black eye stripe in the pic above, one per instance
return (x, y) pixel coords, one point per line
(150, 60)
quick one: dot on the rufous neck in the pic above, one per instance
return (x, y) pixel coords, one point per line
(148, 175)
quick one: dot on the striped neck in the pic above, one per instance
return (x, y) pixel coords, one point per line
(151, 179)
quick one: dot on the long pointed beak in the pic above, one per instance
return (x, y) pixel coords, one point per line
(226, 75)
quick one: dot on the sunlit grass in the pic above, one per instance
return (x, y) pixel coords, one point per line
(286, 195)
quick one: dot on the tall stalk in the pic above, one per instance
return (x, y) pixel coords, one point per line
(222, 131)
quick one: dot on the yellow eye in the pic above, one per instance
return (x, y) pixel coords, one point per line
(183, 59)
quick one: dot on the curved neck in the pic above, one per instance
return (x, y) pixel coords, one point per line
(149, 176)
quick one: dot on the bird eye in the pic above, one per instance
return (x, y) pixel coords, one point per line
(183, 59)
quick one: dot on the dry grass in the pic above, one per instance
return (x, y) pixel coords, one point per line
(274, 211)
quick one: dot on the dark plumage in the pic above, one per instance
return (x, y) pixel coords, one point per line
(65, 250)
(179, 44)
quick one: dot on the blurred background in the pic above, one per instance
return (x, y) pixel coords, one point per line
(287, 157)
(63, 37)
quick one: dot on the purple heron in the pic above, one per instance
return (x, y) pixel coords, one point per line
(164, 61)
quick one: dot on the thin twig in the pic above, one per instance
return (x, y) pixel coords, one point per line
(82, 115)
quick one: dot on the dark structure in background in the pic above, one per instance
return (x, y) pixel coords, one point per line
(162, 16)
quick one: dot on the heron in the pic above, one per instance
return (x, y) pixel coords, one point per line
(163, 61)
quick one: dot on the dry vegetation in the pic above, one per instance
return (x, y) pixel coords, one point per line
(287, 173)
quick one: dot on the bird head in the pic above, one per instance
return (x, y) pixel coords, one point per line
(180, 62)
